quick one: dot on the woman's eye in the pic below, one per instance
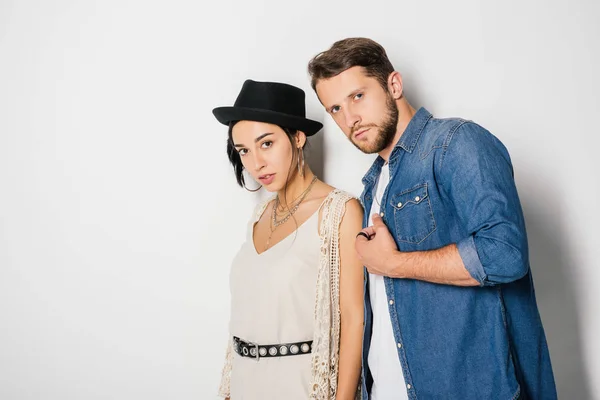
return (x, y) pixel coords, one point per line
(266, 144)
(243, 152)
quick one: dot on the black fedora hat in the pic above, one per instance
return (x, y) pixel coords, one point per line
(271, 102)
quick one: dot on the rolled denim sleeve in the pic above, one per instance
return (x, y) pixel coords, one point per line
(476, 174)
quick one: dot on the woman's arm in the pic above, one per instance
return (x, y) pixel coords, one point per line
(351, 303)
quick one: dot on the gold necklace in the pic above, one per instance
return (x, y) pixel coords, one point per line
(277, 223)
(295, 205)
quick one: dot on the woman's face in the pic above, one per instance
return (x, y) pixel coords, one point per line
(266, 152)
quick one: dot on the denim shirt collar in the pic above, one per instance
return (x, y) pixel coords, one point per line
(407, 142)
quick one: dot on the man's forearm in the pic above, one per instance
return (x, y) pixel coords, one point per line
(443, 265)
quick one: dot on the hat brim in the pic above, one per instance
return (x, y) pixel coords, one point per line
(227, 114)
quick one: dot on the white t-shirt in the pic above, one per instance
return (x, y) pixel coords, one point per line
(388, 379)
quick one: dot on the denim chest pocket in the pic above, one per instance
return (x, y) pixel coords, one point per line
(413, 215)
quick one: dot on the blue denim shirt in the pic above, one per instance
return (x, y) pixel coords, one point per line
(451, 181)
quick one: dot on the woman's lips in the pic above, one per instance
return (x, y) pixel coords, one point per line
(266, 179)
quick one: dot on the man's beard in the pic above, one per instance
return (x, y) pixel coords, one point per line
(387, 130)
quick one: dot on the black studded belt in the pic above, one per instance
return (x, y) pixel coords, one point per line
(257, 351)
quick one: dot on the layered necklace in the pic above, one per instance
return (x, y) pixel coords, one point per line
(294, 205)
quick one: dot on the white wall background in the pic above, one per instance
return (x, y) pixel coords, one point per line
(119, 214)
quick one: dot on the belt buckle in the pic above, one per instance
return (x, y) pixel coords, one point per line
(257, 357)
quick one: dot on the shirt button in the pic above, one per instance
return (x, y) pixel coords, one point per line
(408, 386)
(399, 345)
(381, 215)
(400, 204)
(391, 302)
(417, 198)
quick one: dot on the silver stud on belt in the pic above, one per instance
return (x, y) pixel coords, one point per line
(253, 350)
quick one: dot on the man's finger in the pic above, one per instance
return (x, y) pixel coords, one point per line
(378, 222)
(362, 236)
(369, 230)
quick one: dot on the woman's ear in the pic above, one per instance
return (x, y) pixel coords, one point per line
(300, 139)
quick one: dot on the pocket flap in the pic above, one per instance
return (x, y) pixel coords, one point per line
(411, 196)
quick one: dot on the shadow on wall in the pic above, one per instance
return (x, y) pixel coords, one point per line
(315, 154)
(552, 266)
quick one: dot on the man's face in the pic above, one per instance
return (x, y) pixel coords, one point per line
(364, 111)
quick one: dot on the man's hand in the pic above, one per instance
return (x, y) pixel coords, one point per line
(377, 253)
